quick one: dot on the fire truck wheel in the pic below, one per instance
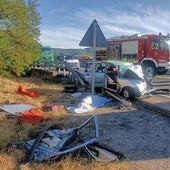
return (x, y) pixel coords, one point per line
(149, 70)
(128, 93)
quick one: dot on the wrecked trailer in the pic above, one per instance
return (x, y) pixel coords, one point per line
(120, 77)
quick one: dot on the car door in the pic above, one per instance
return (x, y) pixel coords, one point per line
(98, 75)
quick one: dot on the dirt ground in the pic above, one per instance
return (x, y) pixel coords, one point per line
(143, 137)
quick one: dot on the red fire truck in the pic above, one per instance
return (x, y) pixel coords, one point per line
(151, 51)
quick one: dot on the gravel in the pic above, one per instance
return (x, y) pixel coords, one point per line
(143, 137)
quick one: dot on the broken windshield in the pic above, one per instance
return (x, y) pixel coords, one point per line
(122, 68)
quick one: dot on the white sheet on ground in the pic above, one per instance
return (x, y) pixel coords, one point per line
(14, 108)
(89, 103)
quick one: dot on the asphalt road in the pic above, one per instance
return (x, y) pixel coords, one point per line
(161, 81)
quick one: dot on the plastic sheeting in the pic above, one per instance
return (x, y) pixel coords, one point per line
(15, 108)
(89, 103)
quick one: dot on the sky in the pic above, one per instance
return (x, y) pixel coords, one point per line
(65, 22)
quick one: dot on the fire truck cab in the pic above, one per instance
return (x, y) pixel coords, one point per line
(151, 51)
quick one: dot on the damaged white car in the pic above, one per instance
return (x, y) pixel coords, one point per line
(117, 76)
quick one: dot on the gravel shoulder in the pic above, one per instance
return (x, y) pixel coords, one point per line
(143, 137)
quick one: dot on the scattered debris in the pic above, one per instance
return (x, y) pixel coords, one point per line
(51, 143)
(16, 108)
(23, 91)
(102, 153)
(51, 107)
(31, 116)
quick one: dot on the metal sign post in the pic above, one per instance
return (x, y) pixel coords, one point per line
(94, 58)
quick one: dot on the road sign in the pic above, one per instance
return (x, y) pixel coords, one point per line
(88, 38)
(94, 37)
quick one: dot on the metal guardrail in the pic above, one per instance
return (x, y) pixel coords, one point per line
(75, 75)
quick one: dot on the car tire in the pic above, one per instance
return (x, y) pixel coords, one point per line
(128, 93)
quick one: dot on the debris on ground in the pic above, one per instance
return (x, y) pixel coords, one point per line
(16, 108)
(89, 103)
(31, 116)
(30, 93)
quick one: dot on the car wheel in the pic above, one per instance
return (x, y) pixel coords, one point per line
(128, 93)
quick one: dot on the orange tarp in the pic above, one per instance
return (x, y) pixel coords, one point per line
(31, 116)
(21, 90)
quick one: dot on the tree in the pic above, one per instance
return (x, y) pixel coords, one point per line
(19, 33)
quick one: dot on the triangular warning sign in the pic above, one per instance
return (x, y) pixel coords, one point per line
(88, 37)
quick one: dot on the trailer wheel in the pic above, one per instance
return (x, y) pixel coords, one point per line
(128, 93)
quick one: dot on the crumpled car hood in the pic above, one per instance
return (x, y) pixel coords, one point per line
(135, 72)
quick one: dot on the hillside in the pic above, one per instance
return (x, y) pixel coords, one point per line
(77, 52)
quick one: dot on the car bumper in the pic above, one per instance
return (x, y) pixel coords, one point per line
(141, 89)
(167, 66)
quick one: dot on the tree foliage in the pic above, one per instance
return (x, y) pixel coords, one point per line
(19, 33)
